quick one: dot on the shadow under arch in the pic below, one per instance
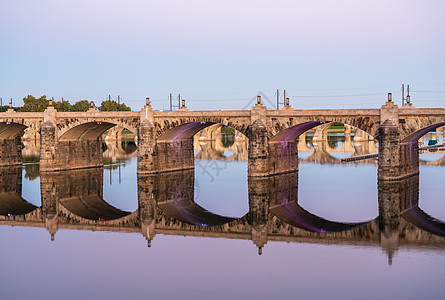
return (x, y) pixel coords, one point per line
(91, 130)
(175, 194)
(415, 136)
(9, 130)
(86, 131)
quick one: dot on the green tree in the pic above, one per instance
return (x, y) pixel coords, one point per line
(63, 106)
(81, 105)
(34, 104)
(112, 105)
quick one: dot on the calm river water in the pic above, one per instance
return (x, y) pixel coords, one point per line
(329, 246)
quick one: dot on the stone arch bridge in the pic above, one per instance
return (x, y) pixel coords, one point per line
(71, 140)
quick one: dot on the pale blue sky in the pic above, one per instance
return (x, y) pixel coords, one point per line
(219, 54)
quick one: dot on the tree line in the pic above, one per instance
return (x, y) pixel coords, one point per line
(33, 104)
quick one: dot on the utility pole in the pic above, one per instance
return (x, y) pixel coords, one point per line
(179, 101)
(118, 102)
(278, 99)
(1, 104)
(171, 103)
(403, 94)
(408, 97)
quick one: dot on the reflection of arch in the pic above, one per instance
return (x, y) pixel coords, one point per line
(31, 134)
(293, 214)
(322, 153)
(215, 150)
(11, 200)
(92, 207)
(437, 162)
(80, 192)
(420, 219)
(284, 205)
(189, 212)
(31, 149)
(115, 152)
(12, 203)
(175, 197)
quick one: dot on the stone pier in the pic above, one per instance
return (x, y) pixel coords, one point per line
(398, 157)
(10, 143)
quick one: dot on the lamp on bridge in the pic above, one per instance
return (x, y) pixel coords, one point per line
(92, 104)
(147, 101)
(183, 102)
(286, 102)
(389, 97)
(51, 102)
(258, 99)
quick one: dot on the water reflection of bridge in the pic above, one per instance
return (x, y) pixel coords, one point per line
(74, 200)
(320, 151)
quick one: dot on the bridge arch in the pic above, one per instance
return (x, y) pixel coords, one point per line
(418, 125)
(9, 130)
(416, 135)
(294, 131)
(199, 123)
(368, 124)
(78, 129)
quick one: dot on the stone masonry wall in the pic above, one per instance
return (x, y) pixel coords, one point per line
(175, 155)
(10, 152)
(283, 157)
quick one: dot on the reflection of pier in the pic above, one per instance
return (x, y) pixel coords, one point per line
(74, 200)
